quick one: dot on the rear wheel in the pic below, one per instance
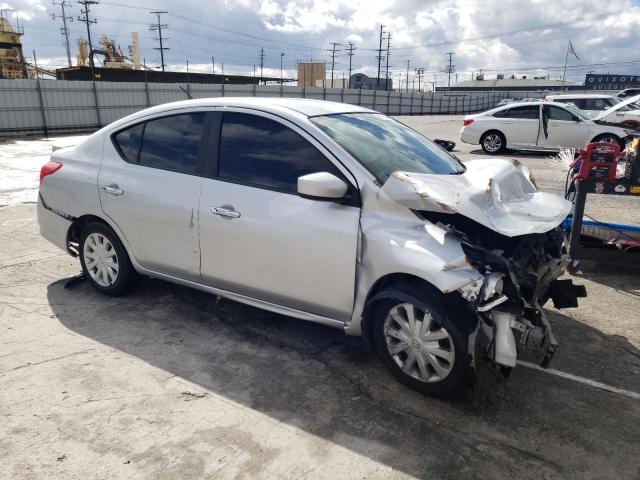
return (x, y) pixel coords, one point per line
(417, 347)
(104, 260)
(493, 142)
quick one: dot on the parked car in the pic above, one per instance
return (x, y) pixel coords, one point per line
(545, 126)
(628, 92)
(593, 105)
(324, 212)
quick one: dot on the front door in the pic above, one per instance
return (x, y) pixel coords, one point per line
(149, 186)
(562, 129)
(262, 240)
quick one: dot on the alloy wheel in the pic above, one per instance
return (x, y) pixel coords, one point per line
(419, 345)
(101, 260)
(493, 142)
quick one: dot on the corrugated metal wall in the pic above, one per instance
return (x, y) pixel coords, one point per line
(40, 107)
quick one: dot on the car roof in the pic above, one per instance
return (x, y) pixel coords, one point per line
(581, 95)
(305, 106)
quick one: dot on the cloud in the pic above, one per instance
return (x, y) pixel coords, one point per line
(422, 31)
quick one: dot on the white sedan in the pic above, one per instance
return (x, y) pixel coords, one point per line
(546, 126)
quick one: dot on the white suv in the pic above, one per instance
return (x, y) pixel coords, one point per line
(325, 212)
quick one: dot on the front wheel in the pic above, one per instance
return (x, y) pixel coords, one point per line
(609, 138)
(493, 143)
(418, 349)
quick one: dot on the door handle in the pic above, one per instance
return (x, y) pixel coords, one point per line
(507, 123)
(225, 212)
(112, 189)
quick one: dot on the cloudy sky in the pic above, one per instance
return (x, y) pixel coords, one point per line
(498, 36)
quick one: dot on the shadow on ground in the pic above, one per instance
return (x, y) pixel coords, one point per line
(318, 380)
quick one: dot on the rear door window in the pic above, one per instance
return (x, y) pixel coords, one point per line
(172, 143)
(529, 112)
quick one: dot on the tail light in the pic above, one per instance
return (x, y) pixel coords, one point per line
(467, 121)
(49, 168)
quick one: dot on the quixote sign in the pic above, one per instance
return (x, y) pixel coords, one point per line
(611, 82)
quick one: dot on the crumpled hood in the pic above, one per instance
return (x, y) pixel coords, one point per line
(499, 194)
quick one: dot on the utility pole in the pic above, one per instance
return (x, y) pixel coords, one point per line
(159, 27)
(450, 69)
(351, 48)
(386, 74)
(87, 5)
(333, 59)
(379, 57)
(281, 57)
(213, 64)
(419, 71)
(261, 62)
(407, 76)
(64, 30)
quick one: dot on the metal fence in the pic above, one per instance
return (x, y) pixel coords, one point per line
(47, 107)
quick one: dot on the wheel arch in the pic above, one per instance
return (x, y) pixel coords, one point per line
(608, 134)
(393, 285)
(75, 229)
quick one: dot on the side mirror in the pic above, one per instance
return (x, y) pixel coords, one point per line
(321, 186)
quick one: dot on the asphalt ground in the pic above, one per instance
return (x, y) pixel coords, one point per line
(169, 382)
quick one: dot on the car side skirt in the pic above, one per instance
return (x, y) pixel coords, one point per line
(272, 307)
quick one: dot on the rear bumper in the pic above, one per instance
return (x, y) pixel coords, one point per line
(53, 226)
(468, 137)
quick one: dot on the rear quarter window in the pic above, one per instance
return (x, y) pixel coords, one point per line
(128, 142)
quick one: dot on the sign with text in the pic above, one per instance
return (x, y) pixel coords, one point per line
(594, 81)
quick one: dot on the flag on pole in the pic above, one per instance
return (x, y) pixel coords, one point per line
(572, 50)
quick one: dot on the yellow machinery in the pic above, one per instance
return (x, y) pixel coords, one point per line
(12, 64)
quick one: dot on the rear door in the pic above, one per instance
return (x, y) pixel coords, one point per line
(262, 240)
(561, 128)
(149, 185)
(520, 125)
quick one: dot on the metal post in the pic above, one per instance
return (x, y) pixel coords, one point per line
(388, 99)
(359, 97)
(411, 110)
(400, 106)
(375, 97)
(422, 104)
(578, 214)
(146, 84)
(44, 118)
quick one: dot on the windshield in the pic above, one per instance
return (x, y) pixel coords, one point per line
(613, 101)
(384, 146)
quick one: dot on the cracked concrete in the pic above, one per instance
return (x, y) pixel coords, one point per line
(171, 383)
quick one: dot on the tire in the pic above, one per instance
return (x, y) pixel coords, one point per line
(440, 366)
(105, 262)
(493, 142)
(609, 138)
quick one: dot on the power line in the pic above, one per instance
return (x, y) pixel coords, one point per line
(159, 27)
(64, 30)
(86, 4)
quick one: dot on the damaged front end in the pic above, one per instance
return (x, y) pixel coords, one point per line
(520, 275)
(509, 233)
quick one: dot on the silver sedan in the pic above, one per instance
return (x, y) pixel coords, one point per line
(321, 211)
